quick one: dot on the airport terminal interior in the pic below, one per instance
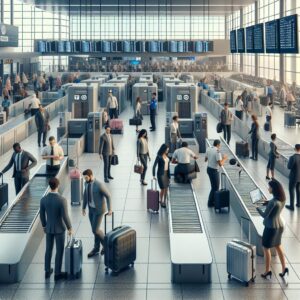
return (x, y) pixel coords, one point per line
(186, 112)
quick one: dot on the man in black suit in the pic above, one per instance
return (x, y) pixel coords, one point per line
(294, 178)
(42, 120)
(54, 218)
(20, 161)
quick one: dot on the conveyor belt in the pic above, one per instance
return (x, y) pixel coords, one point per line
(12, 123)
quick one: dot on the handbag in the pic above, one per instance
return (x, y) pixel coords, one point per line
(114, 160)
(138, 168)
(197, 169)
(219, 127)
(135, 121)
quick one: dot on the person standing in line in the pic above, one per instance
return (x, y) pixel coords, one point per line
(34, 105)
(174, 133)
(95, 195)
(239, 107)
(153, 109)
(22, 161)
(138, 111)
(8, 85)
(112, 106)
(283, 94)
(270, 91)
(269, 115)
(42, 120)
(143, 153)
(162, 163)
(254, 131)
(5, 105)
(214, 161)
(273, 228)
(273, 154)
(226, 119)
(294, 178)
(53, 154)
(106, 150)
(24, 81)
(55, 218)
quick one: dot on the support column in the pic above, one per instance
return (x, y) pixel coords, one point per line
(256, 63)
(242, 54)
(1, 19)
(282, 57)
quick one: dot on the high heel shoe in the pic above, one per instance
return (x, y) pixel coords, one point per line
(286, 271)
(265, 275)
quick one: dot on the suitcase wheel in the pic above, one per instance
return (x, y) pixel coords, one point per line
(106, 270)
(132, 265)
(246, 284)
(229, 276)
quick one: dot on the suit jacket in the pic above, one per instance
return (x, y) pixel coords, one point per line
(54, 213)
(42, 122)
(294, 166)
(100, 193)
(25, 165)
(160, 162)
(104, 144)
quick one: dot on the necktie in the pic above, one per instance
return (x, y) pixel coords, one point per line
(52, 153)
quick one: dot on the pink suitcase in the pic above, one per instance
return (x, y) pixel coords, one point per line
(153, 198)
(116, 126)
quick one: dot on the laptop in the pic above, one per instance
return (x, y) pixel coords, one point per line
(256, 196)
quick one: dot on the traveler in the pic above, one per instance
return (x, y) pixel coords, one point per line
(8, 85)
(53, 154)
(270, 91)
(273, 228)
(273, 154)
(93, 197)
(20, 161)
(214, 161)
(291, 100)
(163, 173)
(174, 133)
(294, 178)
(244, 96)
(153, 109)
(226, 119)
(283, 94)
(5, 105)
(182, 157)
(42, 120)
(55, 218)
(106, 150)
(269, 115)
(138, 111)
(34, 105)
(142, 152)
(112, 106)
(239, 107)
(24, 80)
(254, 131)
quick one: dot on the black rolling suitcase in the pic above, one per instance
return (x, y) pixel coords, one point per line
(73, 258)
(3, 194)
(242, 149)
(119, 247)
(222, 197)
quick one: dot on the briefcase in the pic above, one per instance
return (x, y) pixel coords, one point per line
(135, 121)
(138, 168)
(3, 193)
(73, 258)
(153, 198)
(119, 247)
(222, 197)
(114, 160)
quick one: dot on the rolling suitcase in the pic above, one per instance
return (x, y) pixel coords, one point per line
(3, 194)
(267, 126)
(289, 119)
(153, 198)
(242, 149)
(119, 247)
(264, 100)
(2, 117)
(73, 258)
(76, 184)
(222, 197)
(116, 126)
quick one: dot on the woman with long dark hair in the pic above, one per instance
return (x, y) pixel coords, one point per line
(273, 227)
(254, 131)
(163, 172)
(143, 152)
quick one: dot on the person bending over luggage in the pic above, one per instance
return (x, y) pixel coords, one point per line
(254, 131)
(112, 106)
(142, 153)
(182, 157)
(163, 173)
(174, 133)
(214, 161)
(273, 228)
(54, 218)
(226, 119)
(138, 111)
(273, 154)
(22, 161)
(98, 199)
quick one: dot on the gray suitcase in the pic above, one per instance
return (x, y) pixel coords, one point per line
(73, 258)
(76, 191)
(289, 119)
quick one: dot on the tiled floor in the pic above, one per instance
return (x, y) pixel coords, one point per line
(151, 276)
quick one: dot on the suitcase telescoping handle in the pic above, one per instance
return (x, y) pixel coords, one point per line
(2, 175)
(154, 184)
(223, 181)
(105, 222)
(249, 228)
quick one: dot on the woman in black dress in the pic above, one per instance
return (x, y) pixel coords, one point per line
(254, 131)
(163, 172)
(273, 227)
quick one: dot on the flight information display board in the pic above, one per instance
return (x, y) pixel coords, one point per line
(272, 36)
(233, 47)
(288, 34)
(258, 38)
(241, 40)
(250, 39)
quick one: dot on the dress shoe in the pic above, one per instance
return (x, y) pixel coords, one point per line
(60, 276)
(210, 205)
(109, 177)
(298, 205)
(39, 145)
(144, 183)
(106, 180)
(48, 274)
(94, 252)
(44, 145)
(251, 157)
(102, 251)
(268, 178)
(152, 129)
(266, 275)
(289, 207)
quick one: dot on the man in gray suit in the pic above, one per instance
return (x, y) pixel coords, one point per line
(20, 160)
(42, 120)
(54, 218)
(106, 150)
(98, 199)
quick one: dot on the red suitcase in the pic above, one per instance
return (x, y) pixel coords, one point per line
(116, 126)
(153, 198)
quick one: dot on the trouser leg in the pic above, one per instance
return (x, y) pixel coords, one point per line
(39, 137)
(298, 193)
(143, 159)
(105, 167)
(292, 186)
(48, 253)
(18, 183)
(44, 137)
(228, 128)
(60, 243)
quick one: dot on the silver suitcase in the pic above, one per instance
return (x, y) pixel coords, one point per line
(76, 190)
(73, 258)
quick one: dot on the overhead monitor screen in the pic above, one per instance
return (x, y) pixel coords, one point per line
(241, 40)
(250, 39)
(233, 46)
(288, 34)
(258, 38)
(272, 36)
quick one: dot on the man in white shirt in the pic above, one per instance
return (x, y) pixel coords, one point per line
(53, 154)
(112, 106)
(34, 105)
(269, 115)
(174, 133)
(182, 157)
(239, 107)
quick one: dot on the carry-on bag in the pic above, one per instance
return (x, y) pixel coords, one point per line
(153, 198)
(73, 258)
(119, 247)
(222, 197)
(116, 126)
(135, 121)
(267, 126)
(219, 127)
(76, 183)
(138, 167)
(242, 148)
(241, 259)
(264, 100)
(289, 119)
(3, 193)
(114, 160)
